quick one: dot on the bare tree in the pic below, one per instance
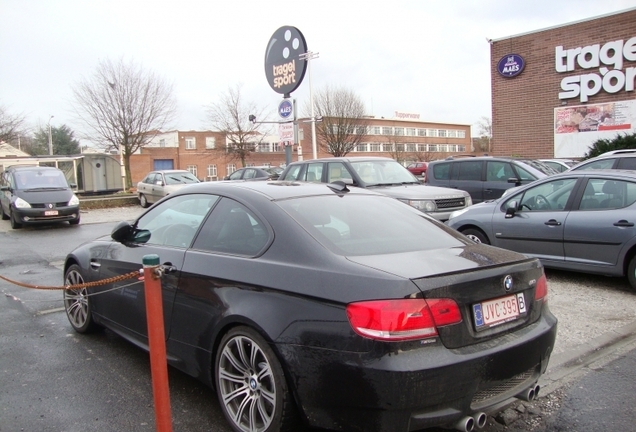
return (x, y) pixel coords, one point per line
(124, 107)
(343, 120)
(232, 115)
(12, 126)
(485, 134)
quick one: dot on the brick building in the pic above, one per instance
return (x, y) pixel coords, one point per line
(558, 90)
(202, 152)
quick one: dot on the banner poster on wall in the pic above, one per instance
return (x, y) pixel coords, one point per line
(576, 128)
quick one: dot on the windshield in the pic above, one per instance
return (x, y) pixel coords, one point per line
(180, 178)
(40, 179)
(367, 225)
(383, 172)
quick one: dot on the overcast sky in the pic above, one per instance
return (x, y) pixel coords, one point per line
(424, 57)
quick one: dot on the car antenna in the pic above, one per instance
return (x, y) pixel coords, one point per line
(338, 186)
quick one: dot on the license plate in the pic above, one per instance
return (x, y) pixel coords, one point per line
(50, 213)
(498, 311)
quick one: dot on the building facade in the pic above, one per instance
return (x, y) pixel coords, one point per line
(203, 152)
(558, 90)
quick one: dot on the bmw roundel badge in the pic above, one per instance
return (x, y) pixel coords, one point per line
(507, 283)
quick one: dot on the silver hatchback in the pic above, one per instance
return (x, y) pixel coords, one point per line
(158, 184)
(578, 220)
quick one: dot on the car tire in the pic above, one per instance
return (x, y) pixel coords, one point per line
(476, 235)
(74, 221)
(77, 303)
(143, 201)
(14, 224)
(250, 384)
(631, 272)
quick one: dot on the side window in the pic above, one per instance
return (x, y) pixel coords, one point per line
(627, 163)
(549, 196)
(292, 174)
(442, 171)
(175, 222)
(236, 175)
(470, 170)
(249, 173)
(522, 174)
(313, 173)
(599, 164)
(337, 171)
(232, 229)
(611, 194)
(499, 171)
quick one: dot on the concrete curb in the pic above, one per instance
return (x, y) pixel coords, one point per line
(564, 366)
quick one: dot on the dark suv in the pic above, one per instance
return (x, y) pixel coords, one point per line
(37, 194)
(485, 177)
(616, 159)
(386, 176)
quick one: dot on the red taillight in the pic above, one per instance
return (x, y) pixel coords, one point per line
(395, 320)
(541, 292)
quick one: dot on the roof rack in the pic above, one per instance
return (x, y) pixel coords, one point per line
(619, 151)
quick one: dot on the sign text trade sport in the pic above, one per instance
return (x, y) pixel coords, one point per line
(592, 57)
(284, 74)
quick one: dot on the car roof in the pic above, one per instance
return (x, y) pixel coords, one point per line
(273, 190)
(32, 168)
(170, 171)
(346, 159)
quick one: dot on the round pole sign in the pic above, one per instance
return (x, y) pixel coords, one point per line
(283, 69)
(285, 109)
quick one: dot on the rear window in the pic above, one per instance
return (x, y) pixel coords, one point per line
(363, 225)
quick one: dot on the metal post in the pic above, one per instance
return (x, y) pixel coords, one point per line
(157, 343)
(308, 57)
(50, 138)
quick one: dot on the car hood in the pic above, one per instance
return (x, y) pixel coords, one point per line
(45, 196)
(417, 191)
(419, 264)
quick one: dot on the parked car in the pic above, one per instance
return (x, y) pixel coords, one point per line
(255, 173)
(337, 306)
(384, 175)
(483, 177)
(559, 165)
(578, 220)
(418, 168)
(158, 184)
(37, 194)
(616, 159)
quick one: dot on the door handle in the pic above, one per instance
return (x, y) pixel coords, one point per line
(552, 222)
(624, 223)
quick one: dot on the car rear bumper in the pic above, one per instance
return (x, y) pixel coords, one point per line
(417, 387)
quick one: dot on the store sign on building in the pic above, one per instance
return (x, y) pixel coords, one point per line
(283, 69)
(605, 65)
(511, 65)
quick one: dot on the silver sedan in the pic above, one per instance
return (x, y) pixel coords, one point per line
(579, 220)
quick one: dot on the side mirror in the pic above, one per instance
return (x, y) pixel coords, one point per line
(73, 185)
(515, 181)
(511, 209)
(121, 232)
(4, 188)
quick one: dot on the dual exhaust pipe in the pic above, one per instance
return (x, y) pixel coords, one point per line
(470, 423)
(529, 394)
(478, 420)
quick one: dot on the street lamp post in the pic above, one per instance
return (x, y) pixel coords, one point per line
(308, 56)
(50, 138)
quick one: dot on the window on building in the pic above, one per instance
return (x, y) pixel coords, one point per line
(431, 132)
(399, 131)
(411, 147)
(230, 168)
(399, 147)
(362, 130)
(190, 143)
(375, 147)
(212, 172)
(421, 132)
(433, 147)
(387, 130)
(461, 134)
(376, 130)
(162, 142)
(362, 147)
(441, 133)
(387, 147)
(192, 169)
(210, 142)
(410, 131)
(452, 134)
